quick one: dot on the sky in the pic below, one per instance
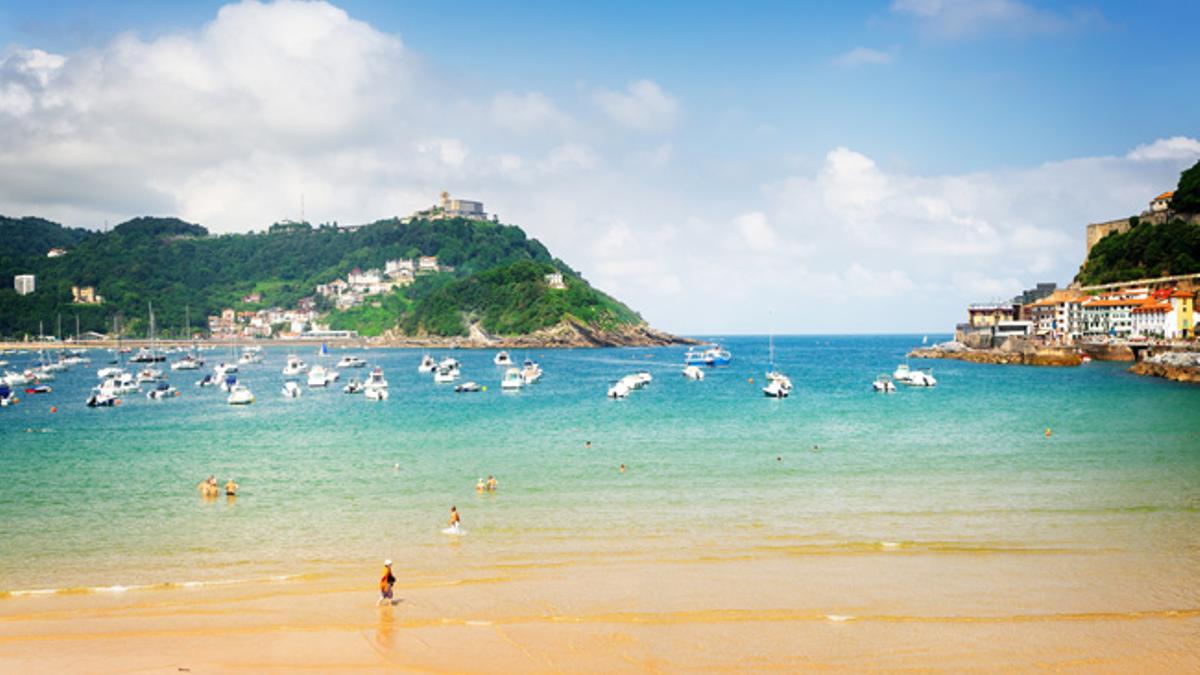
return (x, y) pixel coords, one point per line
(854, 167)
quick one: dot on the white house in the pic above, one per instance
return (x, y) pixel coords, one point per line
(1162, 202)
(56, 252)
(1155, 318)
(24, 284)
(1111, 315)
(555, 280)
(395, 268)
(358, 278)
(427, 263)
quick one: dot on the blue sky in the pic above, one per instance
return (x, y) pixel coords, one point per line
(833, 146)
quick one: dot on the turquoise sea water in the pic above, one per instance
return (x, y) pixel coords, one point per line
(97, 497)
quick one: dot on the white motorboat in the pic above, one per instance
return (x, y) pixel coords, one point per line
(229, 383)
(531, 371)
(693, 373)
(619, 389)
(914, 377)
(110, 371)
(884, 384)
(512, 380)
(376, 387)
(713, 356)
(351, 362)
(251, 355)
(778, 386)
(294, 366)
(121, 383)
(354, 386)
(318, 377)
(223, 369)
(291, 389)
(639, 379)
(14, 379)
(163, 390)
(449, 362)
(428, 365)
(502, 359)
(466, 387)
(149, 375)
(102, 399)
(240, 394)
(188, 362)
(445, 374)
(207, 381)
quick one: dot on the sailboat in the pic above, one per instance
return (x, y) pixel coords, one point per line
(190, 361)
(778, 384)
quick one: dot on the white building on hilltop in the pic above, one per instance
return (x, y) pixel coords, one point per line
(24, 284)
(555, 281)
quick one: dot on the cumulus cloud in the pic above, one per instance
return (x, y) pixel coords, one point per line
(533, 111)
(756, 231)
(643, 105)
(967, 18)
(864, 56)
(1176, 147)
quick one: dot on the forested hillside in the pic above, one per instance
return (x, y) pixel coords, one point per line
(178, 265)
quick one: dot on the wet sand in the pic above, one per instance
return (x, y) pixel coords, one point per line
(870, 611)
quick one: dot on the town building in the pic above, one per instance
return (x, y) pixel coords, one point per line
(555, 281)
(1112, 315)
(56, 253)
(359, 280)
(252, 299)
(984, 314)
(1154, 318)
(24, 284)
(1162, 202)
(86, 295)
(451, 208)
(1184, 304)
(427, 263)
(1058, 316)
(395, 268)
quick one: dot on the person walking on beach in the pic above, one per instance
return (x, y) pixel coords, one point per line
(454, 519)
(386, 582)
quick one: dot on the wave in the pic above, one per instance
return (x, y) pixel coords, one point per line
(159, 586)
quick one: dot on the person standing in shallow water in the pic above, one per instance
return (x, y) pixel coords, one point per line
(386, 582)
(454, 519)
(491, 483)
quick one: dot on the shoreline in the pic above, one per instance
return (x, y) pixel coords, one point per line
(1047, 357)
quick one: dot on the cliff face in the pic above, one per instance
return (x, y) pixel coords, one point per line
(566, 334)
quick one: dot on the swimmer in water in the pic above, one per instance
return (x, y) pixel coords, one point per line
(622, 468)
(454, 519)
(479, 486)
(587, 444)
(231, 488)
(491, 483)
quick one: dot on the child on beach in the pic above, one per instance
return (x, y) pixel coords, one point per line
(454, 519)
(385, 584)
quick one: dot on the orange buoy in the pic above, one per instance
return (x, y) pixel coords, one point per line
(53, 408)
(1047, 432)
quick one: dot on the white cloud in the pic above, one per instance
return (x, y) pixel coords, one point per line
(864, 56)
(450, 151)
(530, 112)
(643, 105)
(967, 18)
(756, 231)
(1176, 147)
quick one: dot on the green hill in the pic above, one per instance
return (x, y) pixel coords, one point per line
(498, 275)
(1142, 252)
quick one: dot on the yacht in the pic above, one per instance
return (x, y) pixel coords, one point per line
(351, 362)
(121, 383)
(693, 373)
(229, 383)
(468, 387)
(14, 379)
(162, 390)
(223, 369)
(107, 372)
(619, 389)
(207, 381)
(445, 374)
(240, 394)
(149, 375)
(319, 377)
(512, 380)
(713, 356)
(428, 365)
(451, 363)
(531, 371)
(251, 355)
(914, 377)
(353, 387)
(291, 389)
(376, 388)
(294, 366)
(502, 359)
(883, 383)
(146, 356)
(100, 398)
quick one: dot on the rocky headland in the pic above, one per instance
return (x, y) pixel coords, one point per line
(1177, 366)
(1012, 353)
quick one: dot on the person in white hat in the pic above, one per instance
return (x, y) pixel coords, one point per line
(385, 584)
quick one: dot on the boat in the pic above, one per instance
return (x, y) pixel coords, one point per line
(223, 369)
(291, 389)
(353, 387)
(450, 362)
(512, 380)
(188, 362)
(619, 389)
(531, 371)
(883, 383)
(294, 366)
(229, 383)
(107, 372)
(428, 365)
(445, 374)
(161, 391)
(149, 375)
(712, 356)
(7, 397)
(121, 383)
(38, 389)
(351, 362)
(467, 387)
(207, 381)
(14, 379)
(693, 373)
(240, 394)
(250, 355)
(317, 377)
(639, 379)
(102, 399)
(145, 355)
(914, 377)
(376, 388)
(502, 359)
(778, 386)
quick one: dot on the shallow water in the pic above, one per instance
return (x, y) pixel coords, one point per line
(107, 497)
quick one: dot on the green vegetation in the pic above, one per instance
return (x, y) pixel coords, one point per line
(1144, 251)
(1187, 195)
(178, 265)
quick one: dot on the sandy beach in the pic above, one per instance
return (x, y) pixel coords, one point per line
(881, 610)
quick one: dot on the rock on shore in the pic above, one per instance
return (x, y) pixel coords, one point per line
(1029, 356)
(1177, 366)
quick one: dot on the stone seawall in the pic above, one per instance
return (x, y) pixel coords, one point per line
(1103, 352)
(1031, 357)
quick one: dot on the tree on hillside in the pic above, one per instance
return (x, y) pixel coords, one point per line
(1187, 195)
